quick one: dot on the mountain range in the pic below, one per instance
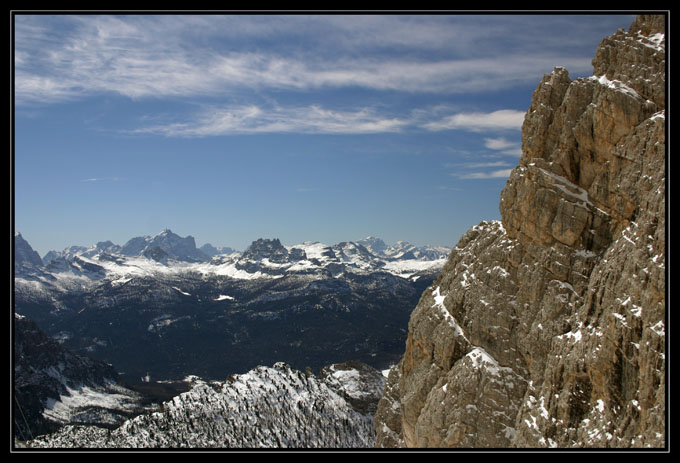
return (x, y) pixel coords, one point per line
(158, 310)
(309, 304)
(184, 249)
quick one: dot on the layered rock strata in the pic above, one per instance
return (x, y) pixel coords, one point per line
(547, 329)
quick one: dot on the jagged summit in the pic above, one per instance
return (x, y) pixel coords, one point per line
(375, 245)
(24, 254)
(183, 249)
(164, 232)
(271, 249)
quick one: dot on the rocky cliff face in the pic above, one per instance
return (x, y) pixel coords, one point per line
(548, 329)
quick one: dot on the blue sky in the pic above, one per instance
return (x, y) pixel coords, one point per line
(235, 127)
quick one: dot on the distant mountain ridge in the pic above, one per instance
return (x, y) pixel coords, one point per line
(264, 257)
(212, 251)
(184, 249)
(403, 249)
(309, 304)
(173, 245)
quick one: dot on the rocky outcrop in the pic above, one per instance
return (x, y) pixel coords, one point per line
(547, 329)
(267, 407)
(358, 383)
(271, 249)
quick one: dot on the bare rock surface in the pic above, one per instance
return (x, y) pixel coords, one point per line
(547, 329)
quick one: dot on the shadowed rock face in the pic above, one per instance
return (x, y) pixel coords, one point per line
(267, 249)
(24, 253)
(167, 242)
(53, 386)
(547, 329)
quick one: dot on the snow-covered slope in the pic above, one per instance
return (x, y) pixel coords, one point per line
(267, 407)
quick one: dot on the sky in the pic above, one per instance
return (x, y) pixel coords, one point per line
(302, 127)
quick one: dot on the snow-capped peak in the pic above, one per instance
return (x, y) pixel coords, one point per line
(167, 253)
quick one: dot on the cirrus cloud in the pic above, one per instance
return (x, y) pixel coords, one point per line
(503, 119)
(272, 118)
(155, 56)
(254, 119)
(503, 173)
(504, 146)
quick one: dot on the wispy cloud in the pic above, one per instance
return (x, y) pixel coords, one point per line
(498, 143)
(274, 118)
(136, 74)
(100, 179)
(503, 173)
(254, 119)
(73, 57)
(498, 166)
(483, 165)
(482, 170)
(238, 61)
(504, 119)
(179, 56)
(504, 146)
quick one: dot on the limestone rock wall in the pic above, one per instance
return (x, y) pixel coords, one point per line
(547, 329)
